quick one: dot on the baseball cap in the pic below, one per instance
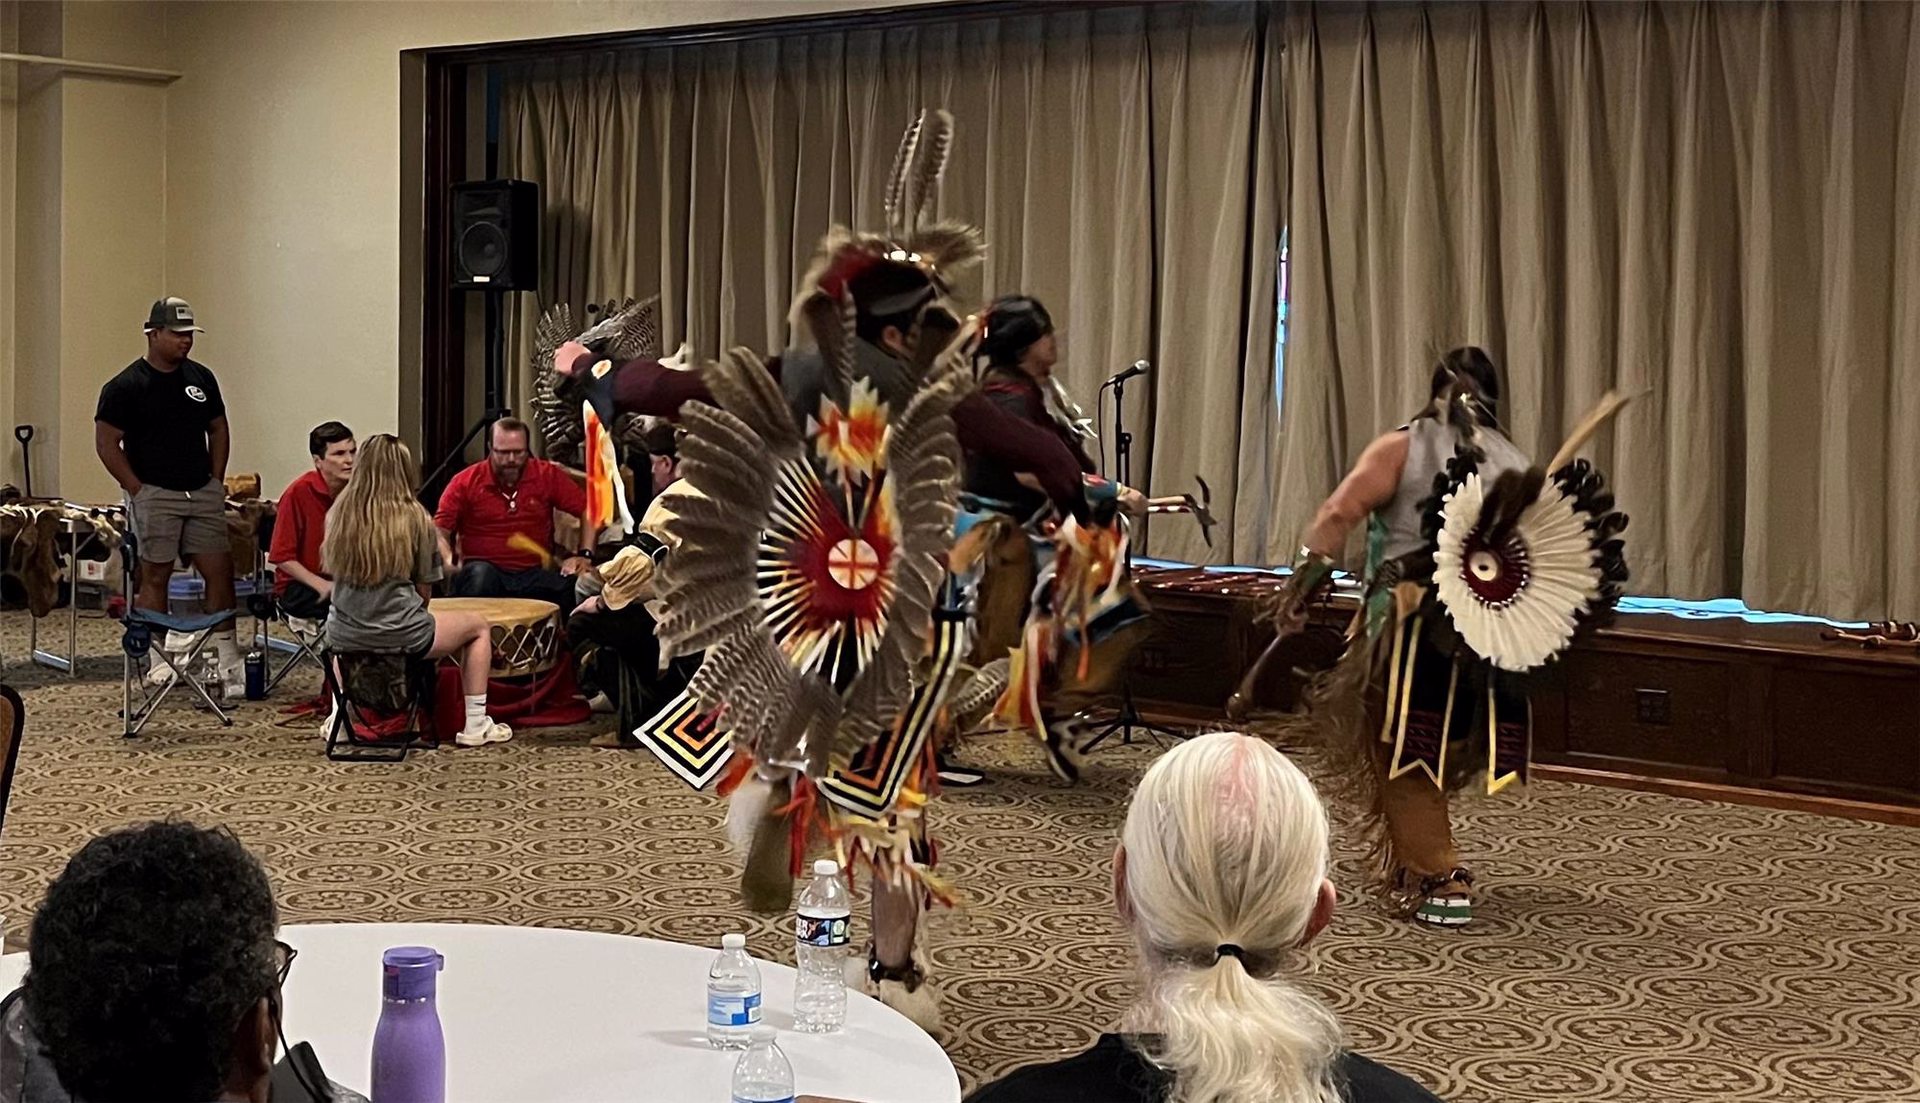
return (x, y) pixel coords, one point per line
(172, 313)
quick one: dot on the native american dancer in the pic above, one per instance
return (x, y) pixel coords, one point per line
(815, 574)
(1051, 592)
(1481, 569)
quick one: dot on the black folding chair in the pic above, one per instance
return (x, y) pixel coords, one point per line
(13, 719)
(385, 684)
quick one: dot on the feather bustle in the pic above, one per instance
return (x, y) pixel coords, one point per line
(558, 421)
(922, 456)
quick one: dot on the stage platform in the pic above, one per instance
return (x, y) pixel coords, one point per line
(1702, 699)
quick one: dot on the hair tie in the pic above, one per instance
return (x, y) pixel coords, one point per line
(1228, 949)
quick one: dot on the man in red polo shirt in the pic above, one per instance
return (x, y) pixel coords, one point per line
(300, 585)
(507, 495)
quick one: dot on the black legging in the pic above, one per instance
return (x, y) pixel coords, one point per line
(619, 654)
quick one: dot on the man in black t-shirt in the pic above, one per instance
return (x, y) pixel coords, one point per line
(161, 431)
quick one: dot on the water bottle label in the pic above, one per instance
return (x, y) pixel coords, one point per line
(821, 932)
(744, 1099)
(733, 1008)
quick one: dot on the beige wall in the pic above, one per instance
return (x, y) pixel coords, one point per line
(9, 159)
(88, 205)
(9, 190)
(284, 191)
(263, 186)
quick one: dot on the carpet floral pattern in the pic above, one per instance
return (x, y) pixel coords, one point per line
(1627, 946)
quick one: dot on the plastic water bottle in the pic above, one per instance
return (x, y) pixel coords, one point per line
(733, 995)
(820, 951)
(763, 1074)
(210, 680)
(409, 1052)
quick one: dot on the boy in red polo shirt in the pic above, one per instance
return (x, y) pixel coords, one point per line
(300, 521)
(509, 494)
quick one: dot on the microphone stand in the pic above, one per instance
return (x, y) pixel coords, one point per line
(1128, 719)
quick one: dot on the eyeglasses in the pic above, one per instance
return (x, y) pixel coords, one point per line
(283, 956)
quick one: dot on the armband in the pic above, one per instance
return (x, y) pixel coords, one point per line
(1310, 571)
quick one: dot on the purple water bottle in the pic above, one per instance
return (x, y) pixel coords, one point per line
(409, 1052)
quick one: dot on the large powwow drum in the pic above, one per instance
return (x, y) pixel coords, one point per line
(526, 633)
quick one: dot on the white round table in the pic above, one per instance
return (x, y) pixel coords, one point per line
(535, 1013)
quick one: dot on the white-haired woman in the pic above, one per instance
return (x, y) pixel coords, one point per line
(1222, 877)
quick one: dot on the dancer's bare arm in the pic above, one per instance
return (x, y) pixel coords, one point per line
(1369, 486)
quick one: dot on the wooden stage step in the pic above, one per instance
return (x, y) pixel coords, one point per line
(1720, 709)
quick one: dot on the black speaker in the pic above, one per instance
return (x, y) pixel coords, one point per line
(496, 235)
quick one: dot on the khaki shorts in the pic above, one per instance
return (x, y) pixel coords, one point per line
(174, 523)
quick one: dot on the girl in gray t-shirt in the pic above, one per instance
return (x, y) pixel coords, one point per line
(384, 557)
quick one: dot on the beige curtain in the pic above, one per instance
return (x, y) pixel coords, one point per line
(1125, 164)
(1715, 203)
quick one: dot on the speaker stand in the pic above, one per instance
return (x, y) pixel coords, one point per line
(494, 404)
(495, 328)
(457, 456)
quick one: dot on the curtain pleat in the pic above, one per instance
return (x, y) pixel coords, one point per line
(1711, 204)
(1116, 159)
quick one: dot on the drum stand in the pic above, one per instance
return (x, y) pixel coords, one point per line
(1128, 719)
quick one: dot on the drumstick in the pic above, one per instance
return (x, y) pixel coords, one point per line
(520, 541)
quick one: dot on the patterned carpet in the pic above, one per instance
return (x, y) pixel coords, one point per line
(1630, 947)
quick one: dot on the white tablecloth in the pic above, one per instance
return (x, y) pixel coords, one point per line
(534, 1014)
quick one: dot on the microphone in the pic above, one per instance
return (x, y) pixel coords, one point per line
(1140, 367)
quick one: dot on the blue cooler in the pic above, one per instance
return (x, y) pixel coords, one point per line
(187, 593)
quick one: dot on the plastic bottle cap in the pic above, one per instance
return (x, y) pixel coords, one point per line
(826, 867)
(735, 941)
(764, 1033)
(408, 972)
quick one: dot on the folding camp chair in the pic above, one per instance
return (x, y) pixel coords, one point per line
(304, 642)
(136, 643)
(303, 647)
(357, 682)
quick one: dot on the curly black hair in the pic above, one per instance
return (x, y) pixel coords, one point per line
(147, 952)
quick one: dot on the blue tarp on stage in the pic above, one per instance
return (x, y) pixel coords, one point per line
(1714, 609)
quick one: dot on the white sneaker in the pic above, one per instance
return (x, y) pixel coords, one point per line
(491, 733)
(333, 711)
(598, 703)
(160, 672)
